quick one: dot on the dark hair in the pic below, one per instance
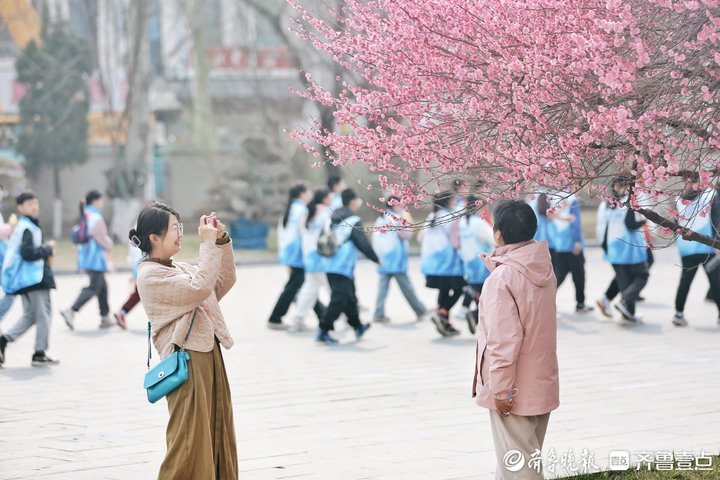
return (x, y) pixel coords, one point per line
(457, 183)
(516, 221)
(619, 179)
(440, 200)
(333, 181)
(153, 220)
(348, 195)
(543, 204)
(24, 197)
(393, 200)
(295, 192)
(91, 196)
(318, 197)
(470, 208)
(690, 175)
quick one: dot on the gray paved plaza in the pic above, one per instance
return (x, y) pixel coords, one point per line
(394, 406)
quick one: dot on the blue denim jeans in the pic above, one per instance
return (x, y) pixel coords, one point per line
(407, 289)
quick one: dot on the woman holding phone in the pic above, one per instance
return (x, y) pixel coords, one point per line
(181, 298)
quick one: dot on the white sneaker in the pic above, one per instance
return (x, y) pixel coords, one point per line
(105, 322)
(299, 324)
(627, 317)
(428, 313)
(460, 312)
(277, 326)
(679, 320)
(69, 317)
(605, 306)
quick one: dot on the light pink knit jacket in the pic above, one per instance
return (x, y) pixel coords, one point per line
(171, 294)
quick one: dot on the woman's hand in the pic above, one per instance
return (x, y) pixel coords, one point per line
(207, 231)
(219, 226)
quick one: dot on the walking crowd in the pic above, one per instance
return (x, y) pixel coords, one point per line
(481, 262)
(455, 235)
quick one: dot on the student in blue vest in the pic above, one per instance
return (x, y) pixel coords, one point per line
(315, 265)
(460, 192)
(692, 208)
(27, 272)
(348, 229)
(291, 255)
(625, 248)
(604, 303)
(390, 242)
(336, 185)
(6, 229)
(476, 237)
(540, 203)
(569, 246)
(93, 258)
(440, 261)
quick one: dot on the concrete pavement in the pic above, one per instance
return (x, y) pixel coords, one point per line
(394, 406)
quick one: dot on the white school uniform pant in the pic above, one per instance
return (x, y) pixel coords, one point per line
(309, 292)
(524, 434)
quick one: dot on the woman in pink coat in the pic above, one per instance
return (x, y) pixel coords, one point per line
(516, 373)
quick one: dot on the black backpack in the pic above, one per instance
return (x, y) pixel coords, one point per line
(79, 233)
(327, 244)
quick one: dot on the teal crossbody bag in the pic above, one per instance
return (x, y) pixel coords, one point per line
(170, 373)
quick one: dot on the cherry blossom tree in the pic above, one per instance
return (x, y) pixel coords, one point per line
(524, 95)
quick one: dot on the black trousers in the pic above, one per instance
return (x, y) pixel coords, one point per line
(631, 280)
(290, 291)
(690, 265)
(448, 297)
(97, 288)
(342, 300)
(613, 289)
(469, 299)
(565, 263)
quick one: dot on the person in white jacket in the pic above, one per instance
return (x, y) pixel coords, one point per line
(315, 265)
(390, 242)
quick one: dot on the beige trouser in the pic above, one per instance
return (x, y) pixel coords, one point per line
(522, 434)
(200, 433)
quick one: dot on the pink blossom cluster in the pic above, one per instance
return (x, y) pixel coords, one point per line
(522, 94)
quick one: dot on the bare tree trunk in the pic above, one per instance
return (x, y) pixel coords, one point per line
(137, 111)
(140, 76)
(327, 118)
(203, 125)
(57, 203)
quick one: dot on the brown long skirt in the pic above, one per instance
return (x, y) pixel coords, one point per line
(200, 432)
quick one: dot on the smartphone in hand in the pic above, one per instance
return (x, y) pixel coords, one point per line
(211, 220)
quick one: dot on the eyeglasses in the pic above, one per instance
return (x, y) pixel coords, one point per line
(179, 228)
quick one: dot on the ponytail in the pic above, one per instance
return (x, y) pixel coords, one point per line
(293, 194)
(470, 207)
(440, 200)
(318, 197)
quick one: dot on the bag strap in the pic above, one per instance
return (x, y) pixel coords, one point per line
(192, 321)
(182, 348)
